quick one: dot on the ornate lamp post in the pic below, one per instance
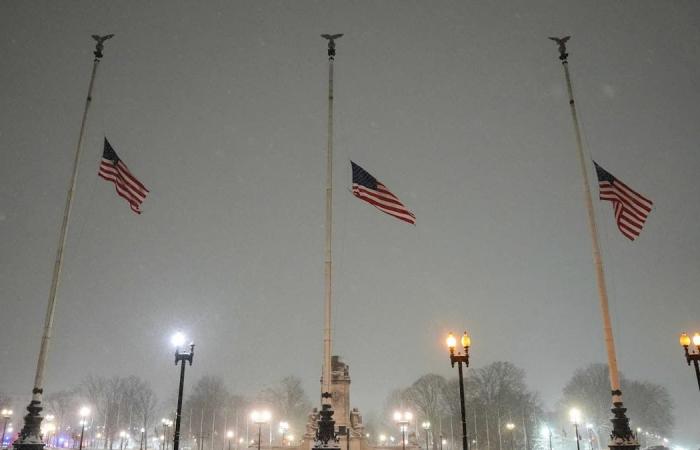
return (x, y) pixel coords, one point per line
(259, 418)
(143, 434)
(84, 413)
(402, 420)
(460, 359)
(426, 427)
(178, 340)
(284, 426)
(575, 417)
(6, 414)
(510, 427)
(692, 356)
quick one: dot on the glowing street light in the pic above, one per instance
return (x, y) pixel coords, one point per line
(284, 426)
(6, 414)
(84, 412)
(510, 427)
(178, 340)
(382, 439)
(460, 359)
(575, 418)
(426, 427)
(259, 418)
(402, 419)
(229, 436)
(546, 433)
(693, 356)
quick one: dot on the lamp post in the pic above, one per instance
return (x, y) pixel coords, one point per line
(402, 419)
(510, 427)
(6, 414)
(259, 418)
(460, 359)
(284, 426)
(692, 356)
(167, 423)
(122, 435)
(575, 417)
(178, 340)
(229, 436)
(143, 434)
(546, 433)
(382, 439)
(426, 427)
(84, 412)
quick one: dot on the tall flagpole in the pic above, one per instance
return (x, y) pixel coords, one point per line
(325, 436)
(621, 435)
(30, 436)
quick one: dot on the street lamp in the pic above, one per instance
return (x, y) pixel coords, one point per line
(546, 432)
(402, 420)
(259, 418)
(460, 359)
(510, 427)
(143, 434)
(692, 356)
(167, 423)
(178, 340)
(84, 412)
(426, 427)
(122, 435)
(575, 418)
(229, 436)
(382, 439)
(6, 414)
(284, 426)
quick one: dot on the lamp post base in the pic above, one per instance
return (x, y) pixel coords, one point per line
(622, 437)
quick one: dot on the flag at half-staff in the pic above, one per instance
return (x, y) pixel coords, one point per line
(128, 186)
(631, 207)
(367, 188)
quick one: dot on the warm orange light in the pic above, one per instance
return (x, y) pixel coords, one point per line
(696, 339)
(466, 340)
(451, 341)
(684, 339)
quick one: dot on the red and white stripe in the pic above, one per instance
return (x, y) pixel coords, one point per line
(385, 201)
(631, 208)
(127, 186)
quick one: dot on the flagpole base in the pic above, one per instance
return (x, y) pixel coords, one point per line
(621, 437)
(30, 436)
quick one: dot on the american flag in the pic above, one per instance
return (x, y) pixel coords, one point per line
(367, 188)
(113, 169)
(631, 208)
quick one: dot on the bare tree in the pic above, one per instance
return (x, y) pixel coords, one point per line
(289, 401)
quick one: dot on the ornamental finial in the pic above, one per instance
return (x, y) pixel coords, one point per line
(562, 46)
(100, 44)
(331, 44)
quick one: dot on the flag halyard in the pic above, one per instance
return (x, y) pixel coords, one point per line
(631, 208)
(113, 169)
(367, 188)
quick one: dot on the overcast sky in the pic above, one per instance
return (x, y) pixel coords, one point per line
(458, 107)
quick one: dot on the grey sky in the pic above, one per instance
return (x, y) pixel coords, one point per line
(459, 107)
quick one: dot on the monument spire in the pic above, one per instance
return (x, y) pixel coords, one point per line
(328, 261)
(621, 436)
(30, 436)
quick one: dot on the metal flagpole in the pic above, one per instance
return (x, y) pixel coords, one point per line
(326, 429)
(30, 436)
(621, 435)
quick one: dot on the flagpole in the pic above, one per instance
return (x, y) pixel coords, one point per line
(621, 435)
(30, 436)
